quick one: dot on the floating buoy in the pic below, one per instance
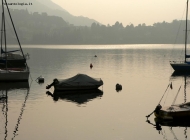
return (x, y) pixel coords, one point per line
(95, 56)
(118, 87)
(40, 79)
(91, 65)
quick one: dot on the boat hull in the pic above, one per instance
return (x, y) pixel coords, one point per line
(13, 63)
(172, 115)
(180, 66)
(174, 112)
(9, 76)
(70, 88)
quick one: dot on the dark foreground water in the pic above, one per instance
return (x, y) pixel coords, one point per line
(143, 71)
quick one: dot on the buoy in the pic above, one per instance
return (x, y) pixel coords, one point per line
(95, 56)
(91, 65)
(40, 79)
(118, 87)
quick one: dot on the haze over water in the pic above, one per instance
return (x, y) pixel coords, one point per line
(143, 71)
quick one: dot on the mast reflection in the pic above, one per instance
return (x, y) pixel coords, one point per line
(4, 89)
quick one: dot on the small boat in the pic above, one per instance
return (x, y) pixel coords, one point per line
(13, 66)
(180, 111)
(77, 82)
(183, 65)
(175, 111)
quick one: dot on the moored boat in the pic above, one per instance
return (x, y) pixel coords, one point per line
(77, 82)
(13, 67)
(175, 111)
(180, 111)
(183, 65)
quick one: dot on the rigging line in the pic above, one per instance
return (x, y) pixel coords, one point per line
(15, 30)
(185, 85)
(2, 28)
(164, 134)
(170, 128)
(20, 116)
(5, 39)
(164, 93)
(9, 30)
(178, 30)
(166, 98)
(176, 96)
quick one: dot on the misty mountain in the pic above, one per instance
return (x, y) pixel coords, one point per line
(51, 9)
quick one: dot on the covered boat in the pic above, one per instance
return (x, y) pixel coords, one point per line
(77, 82)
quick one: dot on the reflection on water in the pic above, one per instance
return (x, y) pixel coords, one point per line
(4, 89)
(142, 71)
(185, 78)
(78, 97)
(160, 124)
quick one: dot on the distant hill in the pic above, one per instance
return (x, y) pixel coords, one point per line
(51, 9)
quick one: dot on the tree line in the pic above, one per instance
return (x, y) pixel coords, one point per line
(35, 28)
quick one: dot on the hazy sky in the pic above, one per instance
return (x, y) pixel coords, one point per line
(126, 11)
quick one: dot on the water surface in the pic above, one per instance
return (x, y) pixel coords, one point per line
(143, 71)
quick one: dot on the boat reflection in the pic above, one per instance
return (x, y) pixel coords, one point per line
(173, 123)
(186, 76)
(14, 85)
(4, 89)
(160, 124)
(78, 97)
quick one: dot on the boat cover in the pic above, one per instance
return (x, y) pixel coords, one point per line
(80, 79)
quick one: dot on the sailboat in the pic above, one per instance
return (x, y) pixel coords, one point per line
(11, 73)
(175, 111)
(183, 65)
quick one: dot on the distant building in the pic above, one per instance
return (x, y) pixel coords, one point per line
(44, 14)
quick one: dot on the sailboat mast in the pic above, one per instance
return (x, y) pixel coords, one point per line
(4, 31)
(186, 32)
(2, 25)
(15, 30)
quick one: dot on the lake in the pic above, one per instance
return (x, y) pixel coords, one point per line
(143, 71)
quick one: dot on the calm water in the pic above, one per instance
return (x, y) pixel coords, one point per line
(143, 71)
